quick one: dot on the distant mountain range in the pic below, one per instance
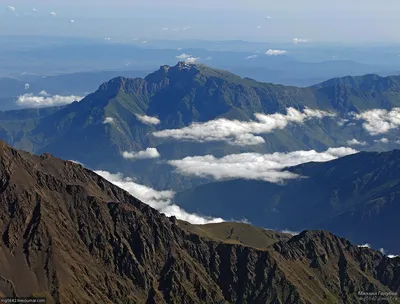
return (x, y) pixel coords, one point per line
(72, 237)
(303, 64)
(356, 197)
(184, 94)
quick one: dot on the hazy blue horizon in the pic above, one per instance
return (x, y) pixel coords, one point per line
(261, 21)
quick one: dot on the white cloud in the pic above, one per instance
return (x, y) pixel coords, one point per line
(365, 246)
(188, 58)
(159, 200)
(275, 52)
(252, 57)
(381, 250)
(268, 17)
(241, 132)
(34, 10)
(259, 27)
(144, 41)
(149, 153)
(267, 167)
(293, 233)
(379, 121)
(355, 142)
(107, 38)
(183, 56)
(76, 162)
(148, 120)
(164, 29)
(186, 28)
(192, 59)
(397, 142)
(32, 101)
(43, 93)
(342, 122)
(53, 14)
(299, 40)
(208, 58)
(108, 120)
(27, 86)
(391, 256)
(11, 8)
(382, 140)
(72, 21)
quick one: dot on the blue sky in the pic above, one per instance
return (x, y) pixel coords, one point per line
(312, 20)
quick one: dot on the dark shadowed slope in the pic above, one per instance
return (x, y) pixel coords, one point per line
(356, 196)
(68, 234)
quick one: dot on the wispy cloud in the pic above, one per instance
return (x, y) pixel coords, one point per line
(149, 153)
(258, 27)
(379, 121)
(53, 14)
(34, 10)
(241, 132)
(267, 167)
(252, 57)
(148, 120)
(11, 8)
(108, 120)
(355, 142)
(271, 52)
(107, 38)
(268, 17)
(185, 28)
(72, 21)
(299, 40)
(159, 200)
(383, 140)
(365, 246)
(32, 101)
(27, 86)
(164, 29)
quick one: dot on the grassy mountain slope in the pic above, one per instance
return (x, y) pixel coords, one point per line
(355, 196)
(73, 237)
(237, 233)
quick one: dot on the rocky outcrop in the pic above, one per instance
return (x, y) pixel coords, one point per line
(70, 235)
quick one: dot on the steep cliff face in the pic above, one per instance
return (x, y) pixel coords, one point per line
(73, 237)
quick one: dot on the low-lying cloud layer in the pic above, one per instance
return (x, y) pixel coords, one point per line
(159, 200)
(148, 120)
(267, 167)
(33, 101)
(149, 153)
(379, 121)
(241, 132)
